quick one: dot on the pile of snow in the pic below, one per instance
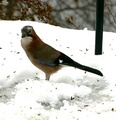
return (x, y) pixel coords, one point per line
(71, 94)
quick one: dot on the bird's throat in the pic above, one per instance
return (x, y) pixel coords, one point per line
(26, 41)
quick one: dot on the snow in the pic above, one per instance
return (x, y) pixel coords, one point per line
(71, 94)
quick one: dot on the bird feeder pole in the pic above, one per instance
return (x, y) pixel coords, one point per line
(99, 26)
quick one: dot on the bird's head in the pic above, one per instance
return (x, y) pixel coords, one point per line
(29, 37)
(27, 31)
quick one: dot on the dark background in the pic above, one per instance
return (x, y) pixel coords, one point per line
(74, 14)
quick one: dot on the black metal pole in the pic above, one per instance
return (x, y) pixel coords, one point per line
(99, 26)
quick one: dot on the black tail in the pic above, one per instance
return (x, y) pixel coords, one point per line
(86, 68)
(68, 61)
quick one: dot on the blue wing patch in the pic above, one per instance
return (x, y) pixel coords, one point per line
(46, 63)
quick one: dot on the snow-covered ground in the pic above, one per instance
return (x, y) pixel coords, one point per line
(71, 94)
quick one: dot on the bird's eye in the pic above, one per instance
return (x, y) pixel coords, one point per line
(30, 31)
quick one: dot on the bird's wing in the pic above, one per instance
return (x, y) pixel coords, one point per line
(47, 55)
(64, 59)
(46, 63)
(61, 59)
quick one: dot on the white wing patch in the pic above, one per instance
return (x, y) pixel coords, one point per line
(60, 61)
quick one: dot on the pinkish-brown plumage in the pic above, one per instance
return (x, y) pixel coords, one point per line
(45, 57)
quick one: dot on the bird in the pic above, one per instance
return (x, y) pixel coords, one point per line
(45, 57)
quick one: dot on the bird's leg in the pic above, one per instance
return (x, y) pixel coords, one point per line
(47, 77)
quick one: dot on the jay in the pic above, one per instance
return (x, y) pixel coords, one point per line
(45, 57)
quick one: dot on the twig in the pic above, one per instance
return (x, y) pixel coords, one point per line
(110, 12)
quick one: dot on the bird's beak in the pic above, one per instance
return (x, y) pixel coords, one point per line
(23, 31)
(23, 35)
